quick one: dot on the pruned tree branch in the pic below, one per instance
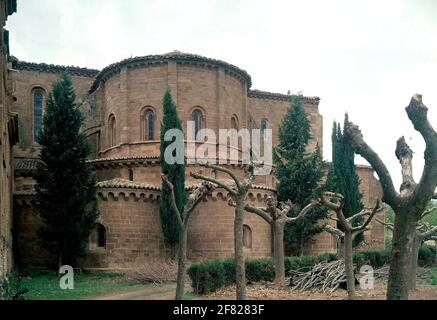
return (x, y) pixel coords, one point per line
(224, 170)
(355, 138)
(376, 209)
(405, 157)
(221, 184)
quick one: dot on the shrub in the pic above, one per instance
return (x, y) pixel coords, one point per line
(376, 259)
(260, 269)
(207, 276)
(426, 255)
(229, 267)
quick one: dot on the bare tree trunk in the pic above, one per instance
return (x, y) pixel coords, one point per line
(279, 253)
(400, 262)
(414, 262)
(240, 274)
(182, 258)
(349, 265)
(340, 248)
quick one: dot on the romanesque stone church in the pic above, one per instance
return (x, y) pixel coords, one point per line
(123, 108)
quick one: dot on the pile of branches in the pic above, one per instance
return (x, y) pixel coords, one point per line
(157, 272)
(323, 276)
(422, 273)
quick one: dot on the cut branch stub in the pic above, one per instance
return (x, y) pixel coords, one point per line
(405, 157)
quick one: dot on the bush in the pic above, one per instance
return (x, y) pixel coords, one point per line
(259, 269)
(229, 267)
(207, 276)
(426, 255)
(376, 259)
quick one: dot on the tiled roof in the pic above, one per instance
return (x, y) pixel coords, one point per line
(172, 56)
(25, 165)
(127, 184)
(127, 158)
(52, 68)
(279, 96)
(31, 192)
(122, 183)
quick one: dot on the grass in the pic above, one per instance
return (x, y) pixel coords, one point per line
(45, 286)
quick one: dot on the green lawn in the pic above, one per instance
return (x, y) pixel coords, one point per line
(45, 286)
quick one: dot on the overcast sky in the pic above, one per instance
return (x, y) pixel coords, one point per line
(364, 57)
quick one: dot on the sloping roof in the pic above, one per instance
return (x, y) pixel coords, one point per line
(52, 68)
(122, 183)
(127, 184)
(172, 56)
(25, 165)
(279, 96)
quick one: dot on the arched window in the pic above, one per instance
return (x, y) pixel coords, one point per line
(147, 124)
(197, 117)
(101, 235)
(264, 125)
(38, 102)
(247, 236)
(111, 130)
(234, 123)
(130, 174)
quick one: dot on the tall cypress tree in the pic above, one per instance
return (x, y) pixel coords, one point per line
(65, 184)
(298, 179)
(342, 176)
(175, 174)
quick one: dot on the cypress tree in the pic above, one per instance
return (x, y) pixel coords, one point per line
(298, 179)
(342, 176)
(175, 174)
(65, 184)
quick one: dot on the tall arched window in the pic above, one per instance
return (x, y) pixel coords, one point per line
(264, 124)
(197, 117)
(38, 102)
(130, 174)
(101, 235)
(247, 236)
(112, 130)
(147, 124)
(234, 122)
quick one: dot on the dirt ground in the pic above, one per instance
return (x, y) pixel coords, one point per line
(270, 291)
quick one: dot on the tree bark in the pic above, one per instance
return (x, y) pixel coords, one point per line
(279, 253)
(414, 262)
(400, 262)
(182, 258)
(240, 274)
(340, 248)
(349, 265)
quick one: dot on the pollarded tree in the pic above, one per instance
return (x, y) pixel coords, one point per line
(65, 184)
(342, 176)
(238, 193)
(194, 198)
(424, 232)
(349, 230)
(413, 198)
(175, 173)
(278, 218)
(299, 174)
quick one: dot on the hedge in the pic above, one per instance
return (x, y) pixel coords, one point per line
(211, 275)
